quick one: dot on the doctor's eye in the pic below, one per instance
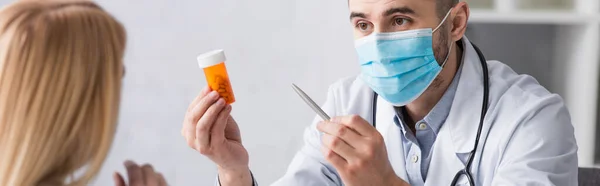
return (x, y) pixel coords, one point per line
(363, 27)
(400, 21)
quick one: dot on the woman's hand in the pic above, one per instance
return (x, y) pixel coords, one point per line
(139, 176)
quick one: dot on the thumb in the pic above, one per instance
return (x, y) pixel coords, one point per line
(119, 181)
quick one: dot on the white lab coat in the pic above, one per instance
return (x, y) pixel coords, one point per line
(527, 138)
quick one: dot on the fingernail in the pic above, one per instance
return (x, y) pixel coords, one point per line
(129, 163)
(221, 101)
(214, 94)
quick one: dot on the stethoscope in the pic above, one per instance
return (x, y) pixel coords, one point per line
(486, 95)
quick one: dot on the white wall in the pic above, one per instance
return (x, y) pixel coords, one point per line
(270, 44)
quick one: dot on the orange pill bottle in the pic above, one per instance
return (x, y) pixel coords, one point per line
(213, 64)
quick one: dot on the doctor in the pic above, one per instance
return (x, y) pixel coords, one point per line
(426, 109)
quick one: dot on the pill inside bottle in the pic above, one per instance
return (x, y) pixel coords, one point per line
(213, 64)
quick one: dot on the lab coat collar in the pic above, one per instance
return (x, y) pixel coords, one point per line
(465, 112)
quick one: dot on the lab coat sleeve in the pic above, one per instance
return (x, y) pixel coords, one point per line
(309, 167)
(542, 149)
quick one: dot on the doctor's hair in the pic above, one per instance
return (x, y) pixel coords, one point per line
(60, 81)
(443, 6)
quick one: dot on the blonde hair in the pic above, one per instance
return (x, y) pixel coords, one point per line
(60, 81)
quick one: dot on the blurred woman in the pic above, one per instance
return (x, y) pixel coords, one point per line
(60, 80)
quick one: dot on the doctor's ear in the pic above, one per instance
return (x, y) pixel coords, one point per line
(460, 17)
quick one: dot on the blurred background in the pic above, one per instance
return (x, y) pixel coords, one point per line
(273, 43)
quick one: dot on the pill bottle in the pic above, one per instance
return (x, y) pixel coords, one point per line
(213, 64)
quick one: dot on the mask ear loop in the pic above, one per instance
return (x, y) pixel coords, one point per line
(447, 56)
(451, 45)
(443, 20)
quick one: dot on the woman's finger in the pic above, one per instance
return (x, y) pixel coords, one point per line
(161, 179)
(118, 179)
(134, 173)
(150, 177)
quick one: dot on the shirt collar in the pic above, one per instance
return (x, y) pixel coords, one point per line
(437, 116)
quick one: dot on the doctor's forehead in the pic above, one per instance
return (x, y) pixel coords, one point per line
(384, 7)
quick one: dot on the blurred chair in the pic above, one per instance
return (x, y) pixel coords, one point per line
(589, 176)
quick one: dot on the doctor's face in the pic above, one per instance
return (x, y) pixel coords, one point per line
(380, 16)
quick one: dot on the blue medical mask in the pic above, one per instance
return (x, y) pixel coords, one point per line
(399, 66)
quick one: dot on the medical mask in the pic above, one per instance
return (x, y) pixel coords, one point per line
(399, 66)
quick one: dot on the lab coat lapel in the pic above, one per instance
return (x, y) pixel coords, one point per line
(444, 162)
(392, 137)
(465, 112)
(457, 135)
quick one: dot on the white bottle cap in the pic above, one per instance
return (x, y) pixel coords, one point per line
(211, 58)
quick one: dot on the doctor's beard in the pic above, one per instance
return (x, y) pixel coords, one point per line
(441, 52)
